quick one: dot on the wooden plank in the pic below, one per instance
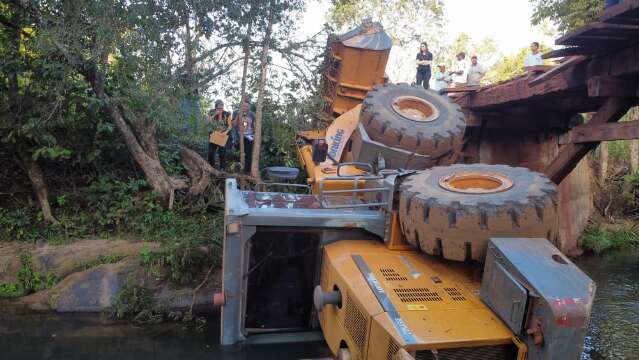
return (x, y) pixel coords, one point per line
(557, 70)
(611, 111)
(569, 84)
(601, 132)
(570, 51)
(460, 89)
(618, 10)
(605, 86)
(538, 68)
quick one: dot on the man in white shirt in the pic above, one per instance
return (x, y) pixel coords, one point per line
(459, 70)
(476, 72)
(534, 58)
(443, 78)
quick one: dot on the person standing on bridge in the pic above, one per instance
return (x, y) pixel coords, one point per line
(460, 70)
(534, 58)
(424, 60)
(476, 72)
(442, 78)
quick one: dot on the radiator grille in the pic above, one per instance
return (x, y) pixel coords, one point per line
(412, 295)
(455, 294)
(393, 348)
(392, 275)
(500, 352)
(355, 324)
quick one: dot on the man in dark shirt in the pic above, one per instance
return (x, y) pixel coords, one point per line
(424, 60)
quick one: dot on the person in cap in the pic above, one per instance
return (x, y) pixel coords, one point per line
(219, 121)
(424, 59)
(476, 72)
(443, 78)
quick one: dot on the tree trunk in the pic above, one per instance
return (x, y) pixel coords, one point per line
(201, 172)
(39, 186)
(240, 126)
(153, 170)
(189, 65)
(603, 162)
(257, 127)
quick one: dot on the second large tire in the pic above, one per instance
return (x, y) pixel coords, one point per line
(452, 211)
(413, 118)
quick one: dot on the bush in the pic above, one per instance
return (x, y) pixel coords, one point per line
(600, 238)
(135, 302)
(29, 281)
(18, 224)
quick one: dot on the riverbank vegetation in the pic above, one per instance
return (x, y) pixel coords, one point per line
(102, 131)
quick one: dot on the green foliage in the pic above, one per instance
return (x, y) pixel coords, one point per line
(29, 281)
(100, 260)
(10, 290)
(599, 239)
(188, 248)
(509, 67)
(17, 224)
(566, 14)
(619, 150)
(179, 262)
(135, 302)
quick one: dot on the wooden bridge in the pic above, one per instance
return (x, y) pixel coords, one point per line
(534, 120)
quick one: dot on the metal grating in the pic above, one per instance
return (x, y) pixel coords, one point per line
(455, 294)
(499, 352)
(392, 275)
(355, 324)
(393, 348)
(412, 295)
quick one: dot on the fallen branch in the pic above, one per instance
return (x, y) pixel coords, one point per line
(201, 172)
(197, 288)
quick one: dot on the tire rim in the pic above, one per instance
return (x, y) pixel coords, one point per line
(476, 182)
(415, 108)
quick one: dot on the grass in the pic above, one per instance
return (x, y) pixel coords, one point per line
(29, 281)
(603, 238)
(136, 302)
(102, 259)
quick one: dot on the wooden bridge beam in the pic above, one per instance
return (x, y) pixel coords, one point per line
(611, 111)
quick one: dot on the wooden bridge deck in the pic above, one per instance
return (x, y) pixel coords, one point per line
(599, 73)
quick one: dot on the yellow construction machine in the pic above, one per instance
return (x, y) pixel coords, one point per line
(396, 252)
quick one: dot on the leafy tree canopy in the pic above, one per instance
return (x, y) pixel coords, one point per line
(566, 14)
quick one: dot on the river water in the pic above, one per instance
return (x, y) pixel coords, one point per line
(613, 333)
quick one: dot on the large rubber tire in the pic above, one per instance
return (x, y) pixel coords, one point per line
(436, 137)
(457, 225)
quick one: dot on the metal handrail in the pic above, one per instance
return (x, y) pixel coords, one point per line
(267, 185)
(362, 190)
(356, 205)
(355, 191)
(356, 165)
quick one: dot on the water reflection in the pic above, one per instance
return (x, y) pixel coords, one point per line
(71, 337)
(614, 326)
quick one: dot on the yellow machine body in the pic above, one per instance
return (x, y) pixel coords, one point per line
(336, 136)
(434, 306)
